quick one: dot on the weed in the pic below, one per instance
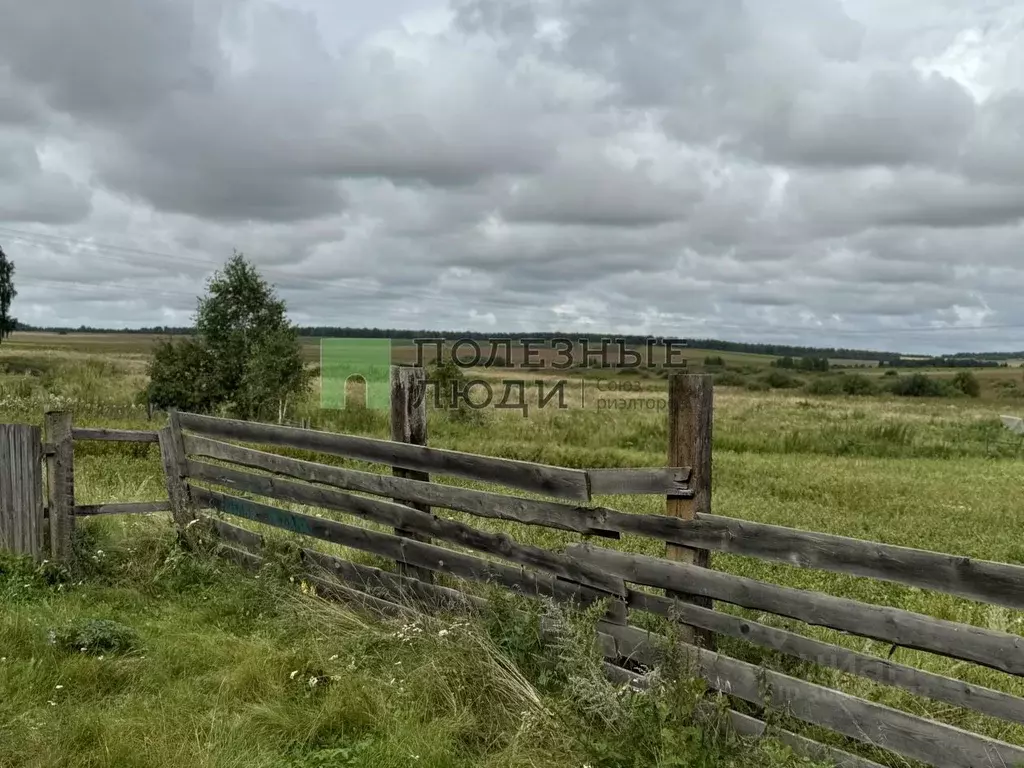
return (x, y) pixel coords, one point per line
(95, 636)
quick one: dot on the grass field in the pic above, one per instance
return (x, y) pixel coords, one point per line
(205, 674)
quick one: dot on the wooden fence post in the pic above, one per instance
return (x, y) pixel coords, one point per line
(409, 425)
(690, 414)
(21, 490)
(60, 483)
(172, 454)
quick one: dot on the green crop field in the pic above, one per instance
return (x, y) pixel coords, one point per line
(202, 664)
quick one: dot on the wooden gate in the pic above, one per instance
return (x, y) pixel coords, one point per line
(21, 489)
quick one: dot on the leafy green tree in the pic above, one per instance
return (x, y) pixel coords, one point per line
(7, 294)
(246, 356)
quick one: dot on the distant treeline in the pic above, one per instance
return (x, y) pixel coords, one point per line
(954, 361)
(895, 359)
(802, 363)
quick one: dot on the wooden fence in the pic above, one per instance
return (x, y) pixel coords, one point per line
(38, 509)
(211, 462)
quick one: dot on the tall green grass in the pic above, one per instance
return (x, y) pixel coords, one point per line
(188, 661)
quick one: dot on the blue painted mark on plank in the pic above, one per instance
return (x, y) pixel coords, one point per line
(263, 513)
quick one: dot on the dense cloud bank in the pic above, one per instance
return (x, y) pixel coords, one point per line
(803, 171)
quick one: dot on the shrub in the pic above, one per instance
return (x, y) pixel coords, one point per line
(919, 385)
(181, 376)
(968, 383)
(824, 385)
(857, 384)
(714, 360)
(780, 380)
(730, 379)
(891, 372)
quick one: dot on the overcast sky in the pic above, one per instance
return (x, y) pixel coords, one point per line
(808, 171)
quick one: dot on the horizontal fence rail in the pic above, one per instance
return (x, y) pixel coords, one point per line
(550, 514)
(938, 744)
(409, 551)
(115, 435)
(879, 670)
(573, 484)
(123, 508)
(998, 650)
(982, 580)
(525, 476)
(396, 515)
(996, 583)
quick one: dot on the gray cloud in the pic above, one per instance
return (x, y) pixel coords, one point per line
(812, 171)
(110, 58)
(588, 190)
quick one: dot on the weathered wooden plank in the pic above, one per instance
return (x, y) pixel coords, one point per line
(982, 580)
(690, 409)
(409, 425)
(60, 480)
(330, 589)
(998, 650)
(398, 548)
(916, 681)
(342, 593)
(670, 481)
(408, 519)
(242, 557)
(21, 490)
(115, 435)
(235, 534)
(465, 568)
(182, 507)
(751, 727)
(393, 586)
(550, 514)
(10, 518)
(123, 508)
(937, 744)
(536, 478)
